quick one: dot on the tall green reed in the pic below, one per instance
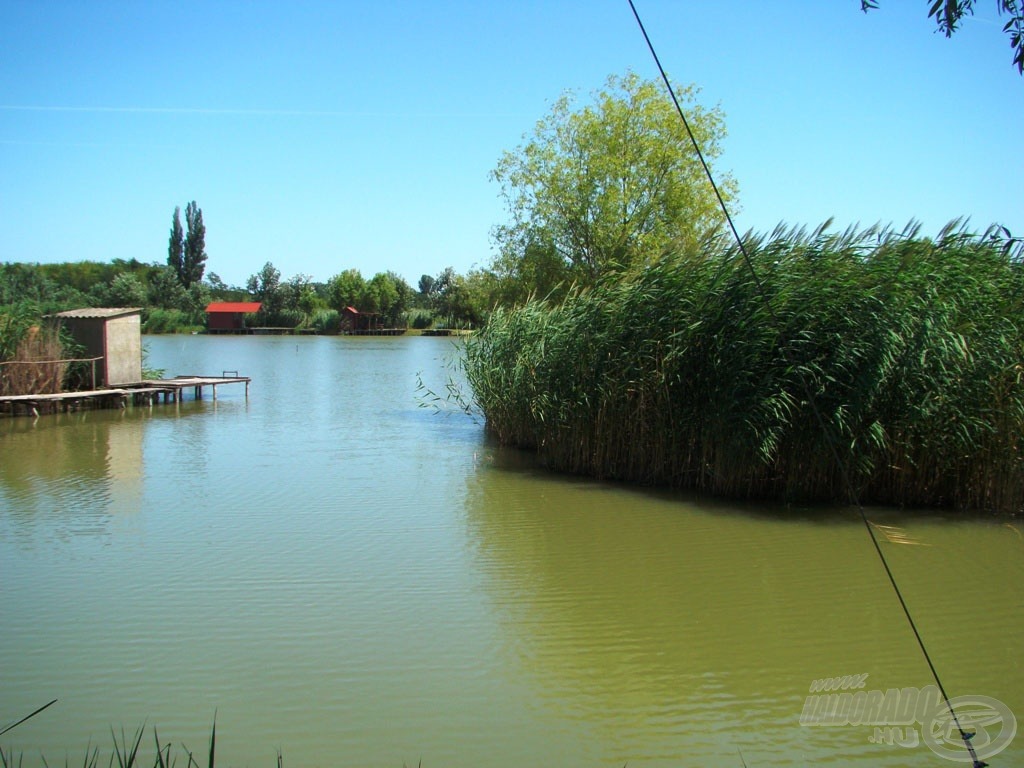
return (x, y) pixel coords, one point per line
(127, 753)
(692, 373)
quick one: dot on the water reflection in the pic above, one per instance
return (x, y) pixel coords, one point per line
(687, 630)
(75, 469)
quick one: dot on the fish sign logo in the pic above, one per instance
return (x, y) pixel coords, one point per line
(989, 720)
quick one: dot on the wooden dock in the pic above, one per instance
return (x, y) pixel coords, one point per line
(145, 392)
(445, 332)
(374, 332)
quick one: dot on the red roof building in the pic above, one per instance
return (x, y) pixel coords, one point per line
(229, 316)
(354, 321)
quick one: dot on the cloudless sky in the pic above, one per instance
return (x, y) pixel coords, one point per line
(324, 136)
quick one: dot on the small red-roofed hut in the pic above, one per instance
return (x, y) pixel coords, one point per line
(229, 316)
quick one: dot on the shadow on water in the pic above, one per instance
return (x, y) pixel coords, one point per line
(528, 464)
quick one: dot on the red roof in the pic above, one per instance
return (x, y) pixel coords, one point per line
(233, 306)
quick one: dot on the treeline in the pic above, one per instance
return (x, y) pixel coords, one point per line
(446, 300)
(30, 349)
(174, 296)
(32, 290)
(45, 288)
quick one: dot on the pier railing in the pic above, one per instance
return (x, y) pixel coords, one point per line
(36, 377)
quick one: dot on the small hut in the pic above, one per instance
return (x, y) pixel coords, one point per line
(111, 333)
(354, 321)
(229, 316)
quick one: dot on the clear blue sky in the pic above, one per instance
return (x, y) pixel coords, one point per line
(323, 136)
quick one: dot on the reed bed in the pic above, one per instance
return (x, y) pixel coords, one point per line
(36, 366)
(900, 354)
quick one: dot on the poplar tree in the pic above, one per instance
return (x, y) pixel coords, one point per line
(194, 259)
(176, 247)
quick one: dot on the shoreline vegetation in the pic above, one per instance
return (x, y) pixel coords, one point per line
(900, 355)
(38, 357)
(619, 335)
(129, 752)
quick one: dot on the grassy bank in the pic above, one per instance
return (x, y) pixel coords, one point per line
(903, 353)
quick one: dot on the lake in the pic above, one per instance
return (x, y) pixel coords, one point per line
(352, 578)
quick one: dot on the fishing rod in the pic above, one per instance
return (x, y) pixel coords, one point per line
(830, 439)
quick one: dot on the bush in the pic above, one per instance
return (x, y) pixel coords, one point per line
(326, 321)
(283, 318)
(420, 318)
(168, 321)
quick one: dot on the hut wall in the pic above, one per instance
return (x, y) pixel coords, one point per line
(123, 355)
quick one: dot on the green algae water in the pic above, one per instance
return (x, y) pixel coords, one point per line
(353, 579)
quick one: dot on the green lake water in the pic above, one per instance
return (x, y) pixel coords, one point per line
(353, 579)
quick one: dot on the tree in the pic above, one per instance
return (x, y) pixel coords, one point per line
(346, 289)
(458, 301)
(126, 290)
(481, 295)
(405, 296)
(23, 283)
(196, 299)
(426, 285)
(176, 247)
(533, 268)
(165, 289)
(300, 296)
(949, 13)
(310, 302)
(461, 303)
(186, 251)
(265, 287)
(377, 295)
(387, 294)
(194, 259)
(613, 183)
(217, 286)
(443, 282)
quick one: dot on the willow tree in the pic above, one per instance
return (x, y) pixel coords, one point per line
(607, 185)
(948, 15)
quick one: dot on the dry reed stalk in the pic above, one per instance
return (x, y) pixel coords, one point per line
(37, 367)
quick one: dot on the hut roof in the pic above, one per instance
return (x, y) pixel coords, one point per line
(233, 306)
(97, 312)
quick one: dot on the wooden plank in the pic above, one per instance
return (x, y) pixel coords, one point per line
(146, 389)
